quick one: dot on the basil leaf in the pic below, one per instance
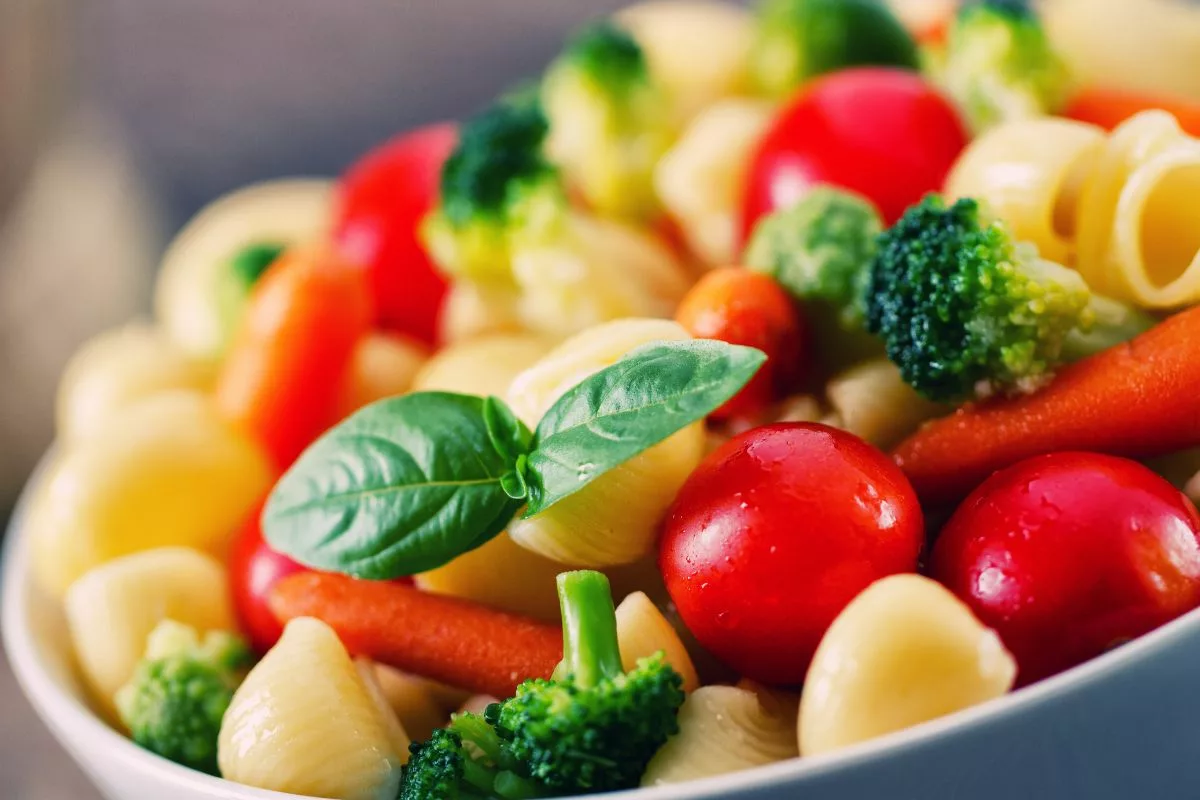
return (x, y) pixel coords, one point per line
(629, 407)
(403, 486)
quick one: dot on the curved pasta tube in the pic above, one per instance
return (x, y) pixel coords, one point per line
(166, 471)
(642, 631)
(383, 365)
(1030, 174)
(614, 519)
(305, 722)
(1139, 224)
(697, 50)
(725, 729)
(903, 652)
(483, 366)
(597, 270)
(113, 608)
(117, 369)
(874, 403)
(700, 179)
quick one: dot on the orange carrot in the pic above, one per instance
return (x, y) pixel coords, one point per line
(1108, 108)
(282, 380)
(1139, 399)
(447, 639)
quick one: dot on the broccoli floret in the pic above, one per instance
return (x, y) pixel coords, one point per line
(801, 39)
(179, 692)
(999, 64)
(464, 761)
(965, 311)
(609, 120)
(496, 184)
(593, 727)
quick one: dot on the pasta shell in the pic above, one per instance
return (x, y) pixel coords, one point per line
(725, 729)
(642, 631)
(383, 365)
(874, 403)
(473, 309)
(411, 699)
(304, 722)
(484, 366)
(117, 369)
(113, 608)
(904, 651)
(167, 471)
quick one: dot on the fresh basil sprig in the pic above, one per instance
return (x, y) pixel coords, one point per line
(410, 483)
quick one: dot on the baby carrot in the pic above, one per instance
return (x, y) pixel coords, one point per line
(1108, 108)
(447, 639)
(1137, 399)
(282, 380)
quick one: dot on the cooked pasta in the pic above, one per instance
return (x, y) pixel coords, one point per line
(725, 729)
(904, 651)
(411, 699)
(698, 50)
(1030, 174)
(112, 609)
(642, 631)
(384, 365)
(874, 403)
(118, 368)
(598, 271)
(305, 722)
(473, 309)
(484, 365)
(614, 519)
(699, 180)
(167, 471)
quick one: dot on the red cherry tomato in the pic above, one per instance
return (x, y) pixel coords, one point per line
(884, 133)
(253, 569)
(384, 197)
(772, 536)
(1068, 554)
(747, 308)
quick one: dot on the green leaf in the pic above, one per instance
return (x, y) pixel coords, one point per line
(628, 408)
(403, 486)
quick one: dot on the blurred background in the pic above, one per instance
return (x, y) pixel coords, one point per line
(120, 118)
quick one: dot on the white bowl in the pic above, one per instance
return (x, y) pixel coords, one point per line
(1124, 725)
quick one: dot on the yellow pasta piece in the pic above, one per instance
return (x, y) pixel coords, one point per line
(874, 403)
(500, 574)
(113, 608)
(903, 652)
(725, 729)
(700, 179)
(305, 722)
(1030, 173)
(598, 270)
(614, 519)
(411, 700)
(186, 302)
(472, 309)
(483, 366)
(167, 471)
(118, 368)
(642, 631)
(383, 365)
(698, 50)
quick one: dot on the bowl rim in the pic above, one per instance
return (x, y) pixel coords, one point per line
(62, 711)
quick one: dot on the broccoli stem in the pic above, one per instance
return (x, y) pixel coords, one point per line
(590, 650)
(1114, 324)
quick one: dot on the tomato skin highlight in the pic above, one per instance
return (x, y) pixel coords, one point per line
(1066, 555)
(884, 133)
(737, 306)
(253, 569)
(383, 198)
(775, 533)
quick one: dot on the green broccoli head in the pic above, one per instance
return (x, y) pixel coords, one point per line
(610, 122)
(999, 64)
(593, 727)
(464, 761)
(965, 311)
(497, 184)
(174, 703)
(801, 39)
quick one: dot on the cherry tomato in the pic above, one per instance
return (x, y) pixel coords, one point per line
(884, 133)
(253, 569)
(1069, 554)
(775, 533)
(747, 308)
(383, 199)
